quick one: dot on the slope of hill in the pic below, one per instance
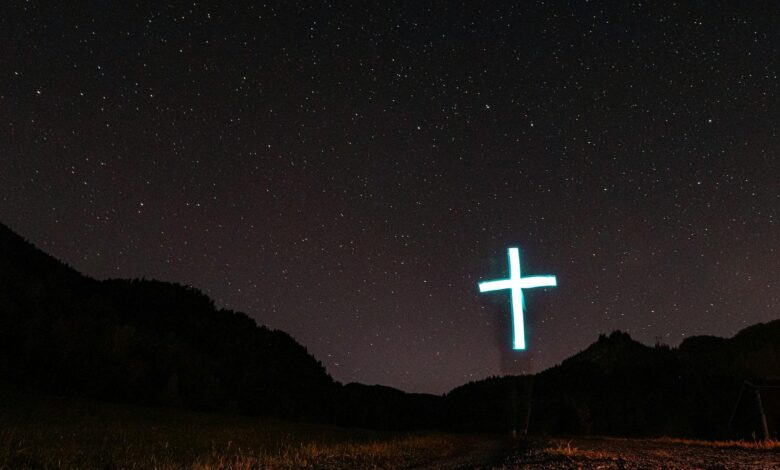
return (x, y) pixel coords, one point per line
(618, 386)
(144, 342)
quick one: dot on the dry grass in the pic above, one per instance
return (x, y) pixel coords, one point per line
(59, 435)
(395, 453)
(571, 452)
(609, 453)
(399, 452)
(753, 445)
(614, 449)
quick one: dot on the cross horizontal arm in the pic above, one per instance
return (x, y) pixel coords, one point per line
(537, 281)
(496, 285)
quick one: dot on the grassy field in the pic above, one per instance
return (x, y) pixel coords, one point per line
(58, 433)
(51, 433)
(616, 453)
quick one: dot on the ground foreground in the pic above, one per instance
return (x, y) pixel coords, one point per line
(54, 433)
(611, 453)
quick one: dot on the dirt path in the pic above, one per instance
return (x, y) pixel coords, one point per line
(478, 452)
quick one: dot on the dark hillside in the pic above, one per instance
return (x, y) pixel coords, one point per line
(620, 387)
(145, 342)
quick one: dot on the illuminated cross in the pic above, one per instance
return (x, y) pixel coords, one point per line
(516, 284)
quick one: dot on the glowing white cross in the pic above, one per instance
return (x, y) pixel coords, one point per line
(516, 284)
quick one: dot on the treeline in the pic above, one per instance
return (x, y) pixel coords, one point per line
(159, 343)
(620, 387)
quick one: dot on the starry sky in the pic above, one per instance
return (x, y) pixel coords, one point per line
(348, 172)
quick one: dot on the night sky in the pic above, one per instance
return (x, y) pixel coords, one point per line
(348, 173)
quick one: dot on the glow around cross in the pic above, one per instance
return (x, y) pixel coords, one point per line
(516, 284)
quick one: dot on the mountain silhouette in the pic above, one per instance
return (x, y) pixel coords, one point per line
(618, 386)
(143, 341)
(614, 352)
(159, 343)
